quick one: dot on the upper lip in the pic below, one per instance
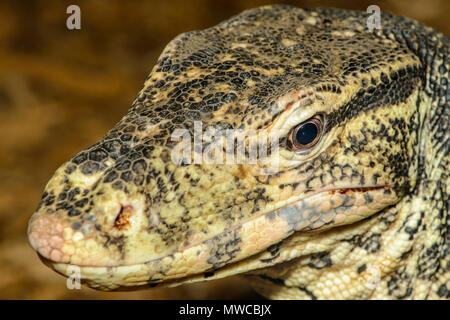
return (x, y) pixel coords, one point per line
(340, 190)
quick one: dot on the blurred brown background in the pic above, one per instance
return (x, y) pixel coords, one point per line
(61, 90)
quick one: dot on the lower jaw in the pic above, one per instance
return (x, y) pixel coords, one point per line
(272, 227)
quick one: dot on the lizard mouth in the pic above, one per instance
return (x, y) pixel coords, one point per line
(223, 254)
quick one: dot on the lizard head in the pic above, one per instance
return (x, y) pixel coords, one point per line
(341, 104)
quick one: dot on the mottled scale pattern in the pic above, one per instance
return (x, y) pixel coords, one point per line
(363, 214)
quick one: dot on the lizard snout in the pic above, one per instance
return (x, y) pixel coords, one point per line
(46, 236)
(99, 236)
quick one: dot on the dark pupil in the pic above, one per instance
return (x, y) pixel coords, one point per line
(306, 133)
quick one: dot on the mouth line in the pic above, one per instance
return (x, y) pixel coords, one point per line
(342, 191)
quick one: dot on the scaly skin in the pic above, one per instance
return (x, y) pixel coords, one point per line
(362, 214)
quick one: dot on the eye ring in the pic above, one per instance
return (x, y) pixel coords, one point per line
(306, 135)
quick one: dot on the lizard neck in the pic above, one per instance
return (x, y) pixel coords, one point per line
(398, 253)
(431, 195)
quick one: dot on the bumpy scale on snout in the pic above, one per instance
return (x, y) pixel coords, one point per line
(346, 107)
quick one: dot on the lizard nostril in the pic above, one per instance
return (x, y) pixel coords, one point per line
(122, 220)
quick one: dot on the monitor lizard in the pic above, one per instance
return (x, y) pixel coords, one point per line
(356, 208)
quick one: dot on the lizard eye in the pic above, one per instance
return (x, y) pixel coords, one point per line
(305, 135)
